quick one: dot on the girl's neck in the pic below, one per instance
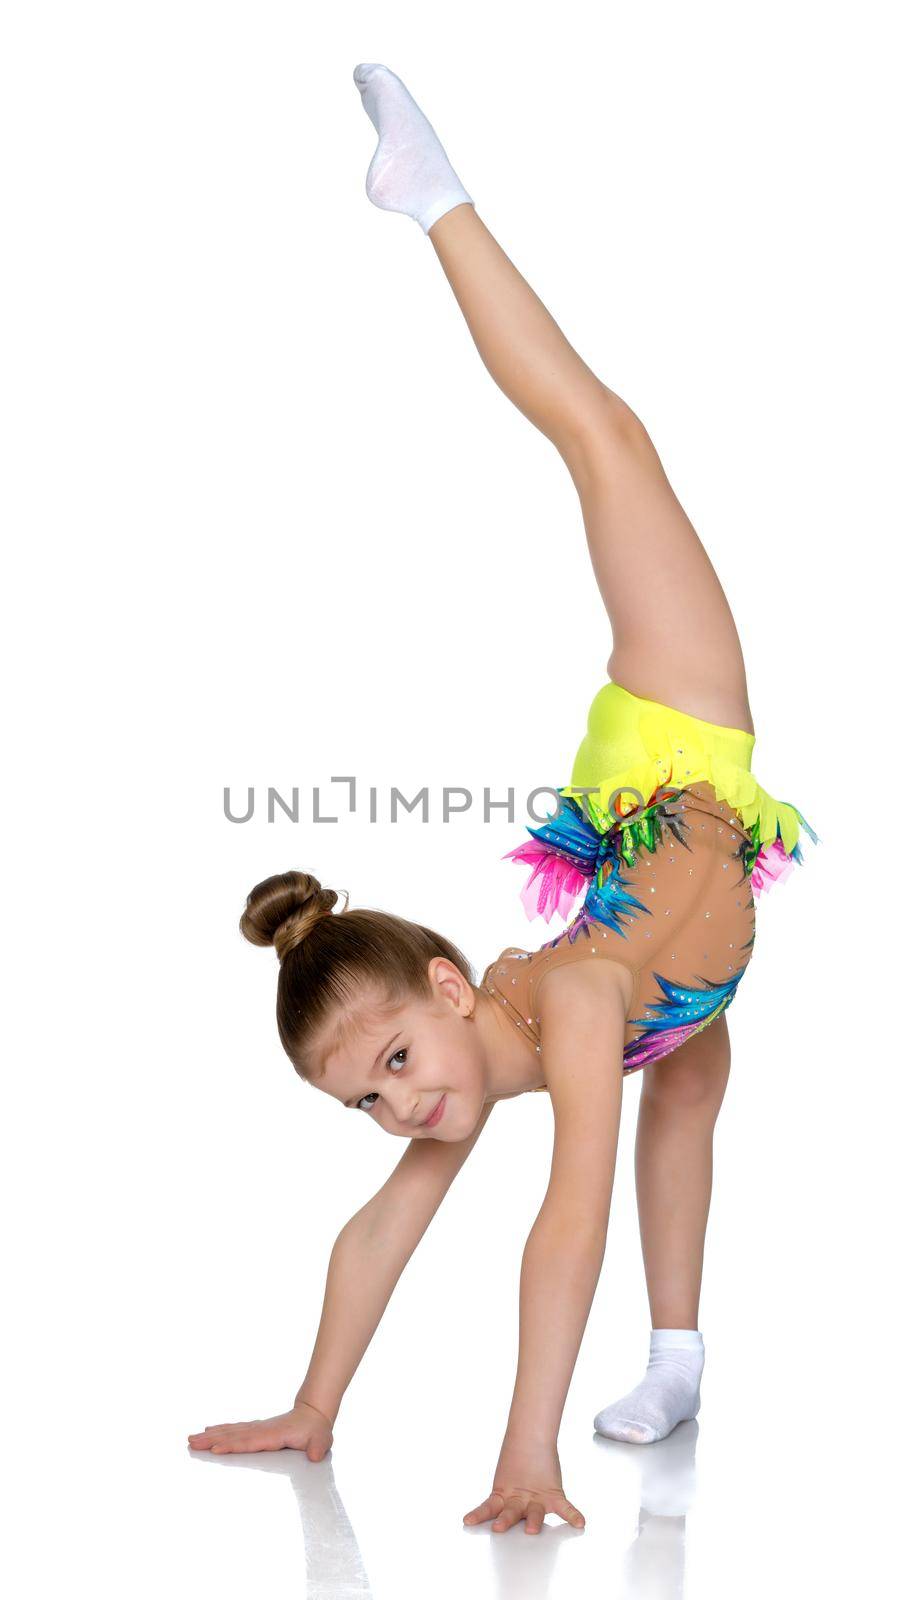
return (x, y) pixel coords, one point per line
(513, 1065)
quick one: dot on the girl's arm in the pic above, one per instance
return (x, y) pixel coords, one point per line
(367, 1259)
(583, 1011)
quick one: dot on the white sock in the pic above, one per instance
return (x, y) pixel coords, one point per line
(409, 171)
(667, 1395)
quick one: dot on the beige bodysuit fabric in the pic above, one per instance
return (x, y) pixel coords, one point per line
(686, 948)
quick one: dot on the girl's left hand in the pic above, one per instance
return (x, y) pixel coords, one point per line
(527, 1483)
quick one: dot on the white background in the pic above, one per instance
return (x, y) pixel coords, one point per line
(268, 521)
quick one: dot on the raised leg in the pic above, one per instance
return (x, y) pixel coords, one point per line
(674, 637)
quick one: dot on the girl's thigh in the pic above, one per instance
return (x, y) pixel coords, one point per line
(695, 1075)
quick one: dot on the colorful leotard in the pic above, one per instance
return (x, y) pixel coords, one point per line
(672, 843)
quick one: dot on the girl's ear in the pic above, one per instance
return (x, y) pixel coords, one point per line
(449, 983)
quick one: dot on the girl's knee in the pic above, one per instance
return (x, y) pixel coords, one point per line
(600, 433)
(691, 1080)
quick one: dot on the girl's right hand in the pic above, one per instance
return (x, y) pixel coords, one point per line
(303, 1428)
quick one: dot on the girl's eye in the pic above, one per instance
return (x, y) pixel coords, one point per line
(361, 1104)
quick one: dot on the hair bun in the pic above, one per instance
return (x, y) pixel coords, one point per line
(283, 910)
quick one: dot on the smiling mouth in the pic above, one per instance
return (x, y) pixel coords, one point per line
(436, 1114)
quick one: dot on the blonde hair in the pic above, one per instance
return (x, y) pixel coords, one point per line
(328, 961)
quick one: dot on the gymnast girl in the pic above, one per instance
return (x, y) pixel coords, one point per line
(664, 836)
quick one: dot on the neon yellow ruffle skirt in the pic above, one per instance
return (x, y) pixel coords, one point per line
(634, 746)
(636, 756)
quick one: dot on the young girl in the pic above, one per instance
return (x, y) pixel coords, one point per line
(666, 833)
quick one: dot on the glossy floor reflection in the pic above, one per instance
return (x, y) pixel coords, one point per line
(521, 1567)
(655, 1561)
(334, 1567)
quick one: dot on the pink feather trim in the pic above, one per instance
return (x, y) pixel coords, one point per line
(772, 865)
(554, 885)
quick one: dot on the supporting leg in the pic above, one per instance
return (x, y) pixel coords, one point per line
(680, 1100)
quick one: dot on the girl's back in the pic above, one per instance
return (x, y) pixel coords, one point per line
(684, 929)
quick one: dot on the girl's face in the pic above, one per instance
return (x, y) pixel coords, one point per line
(405, 1064)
